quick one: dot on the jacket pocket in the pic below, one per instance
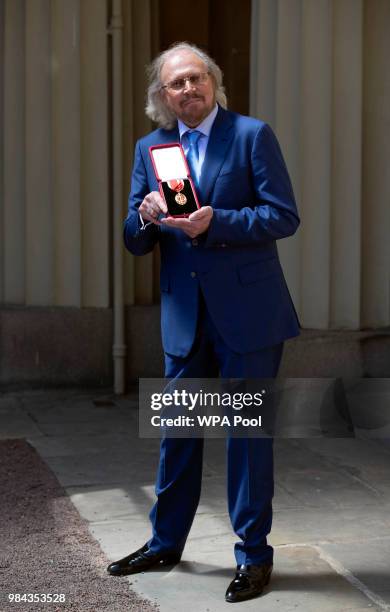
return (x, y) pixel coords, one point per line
(258, 270)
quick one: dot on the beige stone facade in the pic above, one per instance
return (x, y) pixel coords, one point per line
(319, 76)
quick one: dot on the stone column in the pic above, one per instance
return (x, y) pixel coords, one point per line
(39, 236)
(66, 151)
(263, 60)
(376, 175)
(346, 164)
(287, 106)
(315, 123)
(144, 266)
(139, 271)
(94, 186)
(13, 152)
(128, 136)
(2, 46)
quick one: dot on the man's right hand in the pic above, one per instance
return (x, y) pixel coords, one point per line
(152, 207)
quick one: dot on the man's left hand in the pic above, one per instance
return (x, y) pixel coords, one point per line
(197, 223)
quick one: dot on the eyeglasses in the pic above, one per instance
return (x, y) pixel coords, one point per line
(194, 80)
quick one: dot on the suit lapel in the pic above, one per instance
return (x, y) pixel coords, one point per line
(220, 137)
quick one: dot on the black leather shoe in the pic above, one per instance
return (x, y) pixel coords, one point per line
(139, 561)
(249, 582)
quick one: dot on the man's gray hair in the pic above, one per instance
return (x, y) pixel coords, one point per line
(156, 108)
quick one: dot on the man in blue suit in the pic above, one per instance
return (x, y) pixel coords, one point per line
(225, 306)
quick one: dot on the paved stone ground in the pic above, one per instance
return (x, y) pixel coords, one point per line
(331, 529)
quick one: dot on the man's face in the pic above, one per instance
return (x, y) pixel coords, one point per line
(192, 103)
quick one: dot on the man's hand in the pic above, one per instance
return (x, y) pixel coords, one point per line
(152, 207)
(197, 223)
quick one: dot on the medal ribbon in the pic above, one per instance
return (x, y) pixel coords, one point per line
(176, 185)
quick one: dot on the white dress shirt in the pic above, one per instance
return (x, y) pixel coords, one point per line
(204, 128)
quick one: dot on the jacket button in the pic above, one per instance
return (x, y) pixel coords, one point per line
(193, 274)
(194, 242)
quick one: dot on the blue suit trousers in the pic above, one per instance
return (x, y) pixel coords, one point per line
(249, 460)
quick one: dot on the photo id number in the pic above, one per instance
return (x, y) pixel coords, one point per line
(36, 597)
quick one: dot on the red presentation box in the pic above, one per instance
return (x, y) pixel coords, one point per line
(174, 180)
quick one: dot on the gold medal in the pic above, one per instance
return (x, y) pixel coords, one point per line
(181, 199)
(177, 185)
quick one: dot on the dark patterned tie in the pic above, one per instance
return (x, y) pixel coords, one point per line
(193, 154)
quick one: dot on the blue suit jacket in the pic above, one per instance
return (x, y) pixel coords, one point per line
(236, 263)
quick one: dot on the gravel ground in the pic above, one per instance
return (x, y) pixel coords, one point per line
(45, 546)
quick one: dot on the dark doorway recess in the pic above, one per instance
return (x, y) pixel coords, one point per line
(222, 28)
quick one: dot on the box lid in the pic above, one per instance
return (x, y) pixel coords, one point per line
(169, 161)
